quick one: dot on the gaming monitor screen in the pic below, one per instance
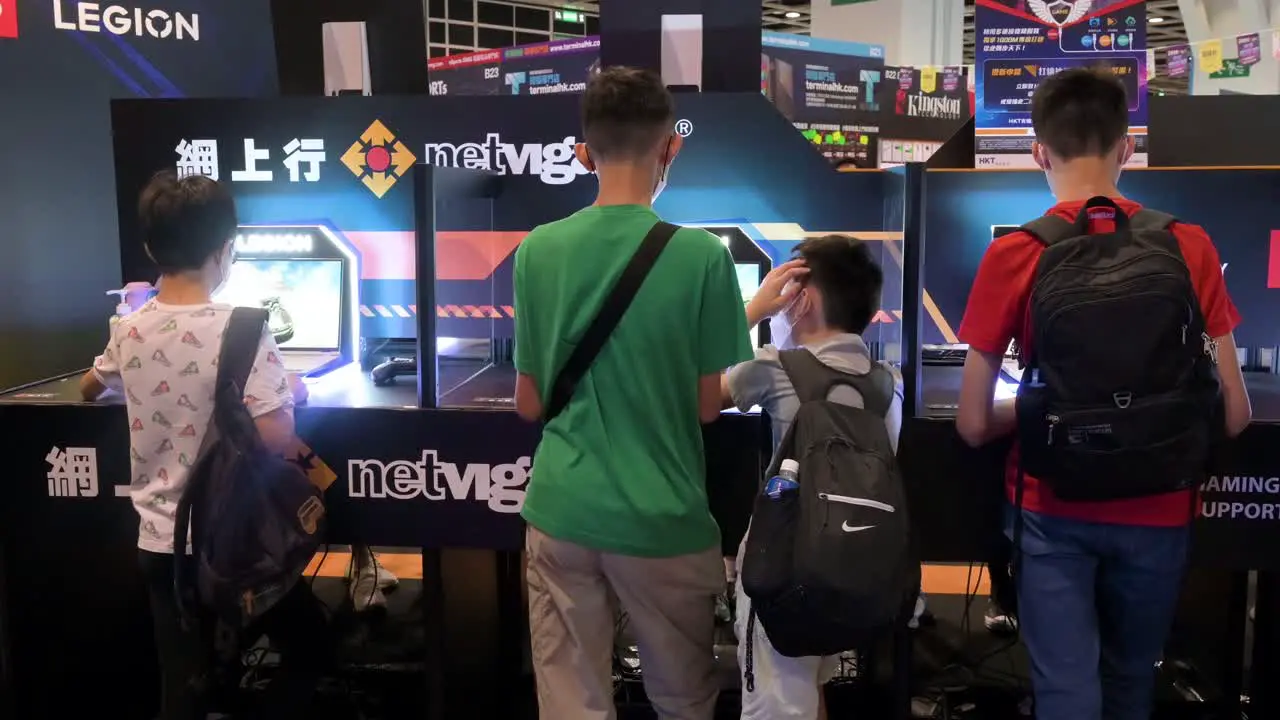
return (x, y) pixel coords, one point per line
(749, 283)
(308, 296)
(999, 231)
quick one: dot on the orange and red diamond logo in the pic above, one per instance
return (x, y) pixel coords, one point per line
(378, 158)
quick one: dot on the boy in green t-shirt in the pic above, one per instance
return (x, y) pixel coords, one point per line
(618, 504)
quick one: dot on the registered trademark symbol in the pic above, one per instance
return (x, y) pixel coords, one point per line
(684, 128)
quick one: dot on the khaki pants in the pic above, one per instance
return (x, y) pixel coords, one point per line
(671, 604)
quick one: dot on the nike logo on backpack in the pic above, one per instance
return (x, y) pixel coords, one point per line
(850, 528)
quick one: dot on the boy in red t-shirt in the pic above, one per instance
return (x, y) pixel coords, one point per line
(1097, 582)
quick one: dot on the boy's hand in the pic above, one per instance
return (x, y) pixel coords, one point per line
(298, 389)
(776, 292)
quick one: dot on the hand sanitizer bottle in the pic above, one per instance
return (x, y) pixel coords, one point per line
(122, 308)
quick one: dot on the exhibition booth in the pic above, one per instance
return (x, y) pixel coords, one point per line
(380, 234)
(392, 280)
(389, 283)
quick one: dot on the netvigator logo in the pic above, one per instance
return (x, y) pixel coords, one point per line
(92, 17)
(554, 163)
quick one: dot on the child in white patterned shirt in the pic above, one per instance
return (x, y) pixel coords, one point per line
(163, 359)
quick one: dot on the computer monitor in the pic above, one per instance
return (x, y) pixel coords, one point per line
(999, 231)
(749, 278)
(303, 296)
(750, 263)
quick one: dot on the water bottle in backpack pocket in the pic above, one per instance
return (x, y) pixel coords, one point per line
(786, 481)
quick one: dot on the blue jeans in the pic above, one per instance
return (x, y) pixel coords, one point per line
(1095, 604)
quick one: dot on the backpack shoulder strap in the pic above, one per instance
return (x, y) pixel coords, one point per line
(240, 341)
(1146, 219)
(878, 389)
(1160, 227)
(1050, 229)
(813, 381)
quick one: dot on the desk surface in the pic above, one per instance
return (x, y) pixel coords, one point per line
(463, 384)
(940, 390)
(346, 387)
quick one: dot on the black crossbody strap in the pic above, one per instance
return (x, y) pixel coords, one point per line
(615, 306)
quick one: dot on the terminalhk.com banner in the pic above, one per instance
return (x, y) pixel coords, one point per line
(560, 66)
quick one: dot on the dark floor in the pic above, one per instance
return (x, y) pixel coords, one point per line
(959, 667)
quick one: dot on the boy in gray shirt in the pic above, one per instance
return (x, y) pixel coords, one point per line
(822, 300)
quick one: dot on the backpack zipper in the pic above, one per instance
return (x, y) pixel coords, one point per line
(860, 502)
(827, 442)
(1053, 423)
(1098, 301)
(1115, 289)
(1093, 270)
(845, 499)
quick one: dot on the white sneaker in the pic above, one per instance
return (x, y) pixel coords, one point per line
(386, 579)
(997, 621)
(365, 594)
(370, 565)
(369, 581)
(917, 613)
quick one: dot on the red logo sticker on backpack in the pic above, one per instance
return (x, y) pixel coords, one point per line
(8, 18)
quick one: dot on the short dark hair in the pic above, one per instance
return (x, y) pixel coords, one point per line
(848, 276)
(185, 220)
(1082, 112)
(625, 112)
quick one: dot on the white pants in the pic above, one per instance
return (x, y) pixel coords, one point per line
(785, 688)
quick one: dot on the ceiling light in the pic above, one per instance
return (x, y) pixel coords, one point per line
(1155, 20)
(792, 14)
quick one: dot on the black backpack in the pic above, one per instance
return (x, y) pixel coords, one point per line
(255, 519)
(832, 565)
(1120, 384)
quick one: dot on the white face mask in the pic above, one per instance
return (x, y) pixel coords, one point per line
(663, 173)
(224, 274)
(662, 181)
(780, 329)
